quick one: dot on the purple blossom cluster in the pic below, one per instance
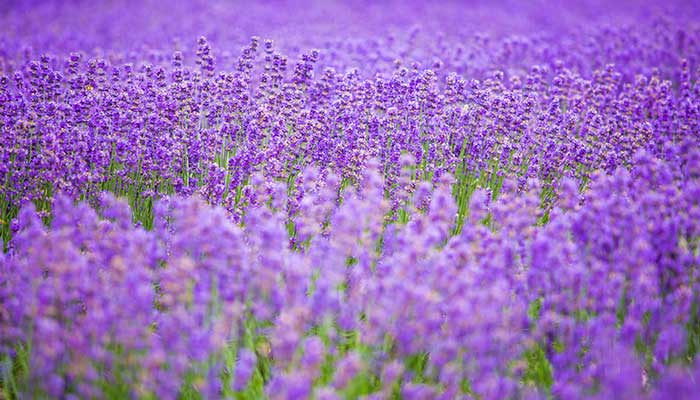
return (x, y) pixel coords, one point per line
(80, 125)
(488, 201)
(613, 279)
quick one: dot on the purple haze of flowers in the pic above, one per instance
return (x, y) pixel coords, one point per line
(491, 201)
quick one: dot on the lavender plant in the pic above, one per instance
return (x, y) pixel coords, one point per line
(495, 204)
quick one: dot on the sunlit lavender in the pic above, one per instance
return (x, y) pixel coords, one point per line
(376, 200)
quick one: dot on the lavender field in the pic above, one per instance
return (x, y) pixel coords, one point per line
(377, 200)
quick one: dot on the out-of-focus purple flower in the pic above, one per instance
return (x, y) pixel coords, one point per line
(244, 368)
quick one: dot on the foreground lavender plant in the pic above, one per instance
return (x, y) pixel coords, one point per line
(425, 314)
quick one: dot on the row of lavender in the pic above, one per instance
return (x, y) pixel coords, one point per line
(600, 301)
(401, 216)
(83, 126)
(539, 104)
(470, 38)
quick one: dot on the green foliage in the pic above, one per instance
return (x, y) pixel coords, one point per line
(535, 309)
(693, 331)
(538, 371)
(14, 371)
(418, 364)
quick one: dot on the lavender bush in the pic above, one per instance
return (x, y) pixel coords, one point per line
(383, 201)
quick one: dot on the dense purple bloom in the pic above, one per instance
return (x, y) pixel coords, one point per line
(482, 200)
(245, 365)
